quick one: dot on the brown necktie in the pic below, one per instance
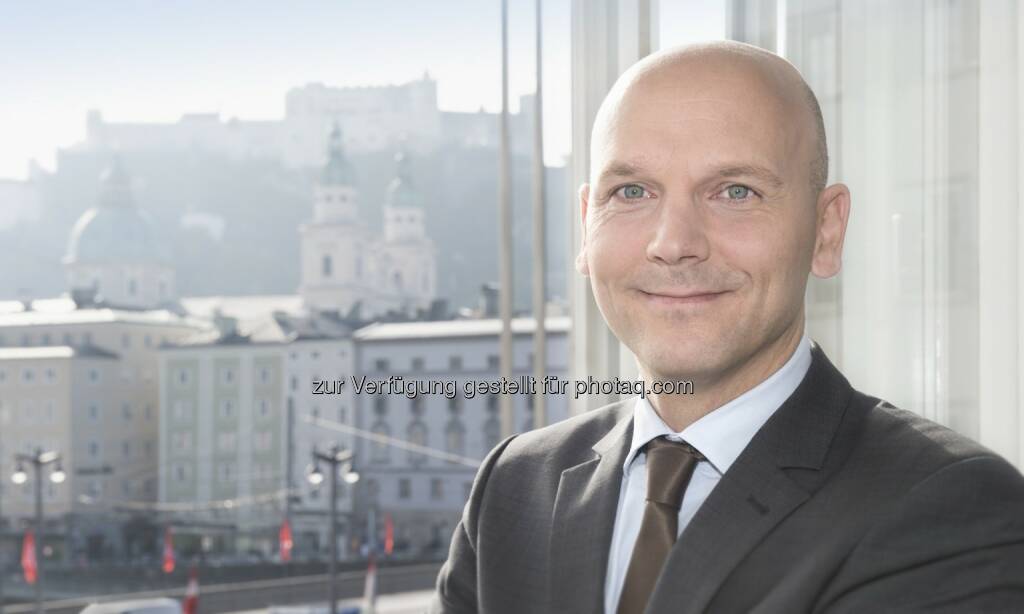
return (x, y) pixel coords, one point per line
(669, 467)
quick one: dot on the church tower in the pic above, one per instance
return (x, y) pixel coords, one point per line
(408, 256)
(336, 270)
(115, 254)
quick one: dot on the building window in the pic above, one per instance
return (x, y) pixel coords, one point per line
(94, 449)
(295, 383)
(436, 489)
(126, 411)
(94, 412)
(492, 361)
(94, 376)
(227, 409)
(455, 438)
(45, 339)
(227, 376)
(183, 377)
(262, 408)
(325, 266)
(381, 364)
(264, 375)
(455, 363)
(67, 339)
(380, 451)
(28, 376)
(417, 435)
(126, 449)
(51, 375)
(404, 488)
(132, 287)
(182, 410)
(226, 442)
(126, 341)
(417, 364)
(492, 403)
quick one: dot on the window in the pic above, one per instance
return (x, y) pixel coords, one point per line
(493, 361)
(436, 489)
(182, 410)
(264, 375)
(455, 363)
(417, 435)
(262, 408)
(380, 450)
(227, 409)
(94, 449)
(227, 376)
(68, 339)
(417, 364)
(126, 341)
(226, 442)
(3, 376)
(181, 441)
(184, 377)
(455, 438)
(50, 375)
(126, 411)
(381, 364)
(126, 449)
(263, 441)
(94, 412)
(325, 266)
(28, 375)
(44, 339)
(404, 488)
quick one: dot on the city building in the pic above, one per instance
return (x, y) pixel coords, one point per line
(425, 491)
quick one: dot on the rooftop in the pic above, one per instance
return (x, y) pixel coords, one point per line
(455, 328)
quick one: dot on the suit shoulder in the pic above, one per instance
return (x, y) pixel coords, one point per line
(569, 441)
(909, 443)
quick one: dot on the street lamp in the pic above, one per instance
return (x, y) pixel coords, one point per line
(334, 458)
(37, 461)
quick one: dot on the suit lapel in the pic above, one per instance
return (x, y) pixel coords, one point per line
(755, 494)
(583, 519)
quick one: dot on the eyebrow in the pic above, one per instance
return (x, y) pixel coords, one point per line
(746, 170)
(626, 169)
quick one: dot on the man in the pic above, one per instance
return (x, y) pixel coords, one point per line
(774, 486)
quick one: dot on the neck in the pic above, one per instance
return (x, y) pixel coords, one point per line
(679, 411)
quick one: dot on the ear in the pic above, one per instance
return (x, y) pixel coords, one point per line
(581, 257)
(833, 211)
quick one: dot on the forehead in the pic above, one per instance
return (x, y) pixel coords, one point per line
(695, 119)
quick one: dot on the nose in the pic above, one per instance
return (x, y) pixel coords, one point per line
(679, 232)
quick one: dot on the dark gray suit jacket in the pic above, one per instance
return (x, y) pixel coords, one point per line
(840, 503)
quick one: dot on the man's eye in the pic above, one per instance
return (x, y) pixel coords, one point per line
(632, 191)
(738, 192)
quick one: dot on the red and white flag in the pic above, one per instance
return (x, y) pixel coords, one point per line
(370, 592)
(168, 565)
(28, 558)
(389, 534)
(285, 537)
(191, 604)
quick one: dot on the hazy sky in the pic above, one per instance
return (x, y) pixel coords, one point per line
(150, 60)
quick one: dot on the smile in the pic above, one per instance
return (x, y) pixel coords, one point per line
(688, 299)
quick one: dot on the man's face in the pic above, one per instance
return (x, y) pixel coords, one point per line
(699, 221)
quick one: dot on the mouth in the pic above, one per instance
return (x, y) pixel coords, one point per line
(687, 298)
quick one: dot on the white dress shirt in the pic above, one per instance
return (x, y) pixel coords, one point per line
(720, 436)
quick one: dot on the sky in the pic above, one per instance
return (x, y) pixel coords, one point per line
(152, 61)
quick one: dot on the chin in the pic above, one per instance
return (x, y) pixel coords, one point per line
(675, 358)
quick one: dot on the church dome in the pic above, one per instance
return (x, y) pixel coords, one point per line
(338, 170)
(401, 192)
(115, 231)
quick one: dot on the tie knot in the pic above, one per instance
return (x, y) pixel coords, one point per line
(669, 467)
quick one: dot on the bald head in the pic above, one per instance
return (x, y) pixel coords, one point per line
(747, 74)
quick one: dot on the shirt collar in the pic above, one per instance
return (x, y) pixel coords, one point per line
(724, 432)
